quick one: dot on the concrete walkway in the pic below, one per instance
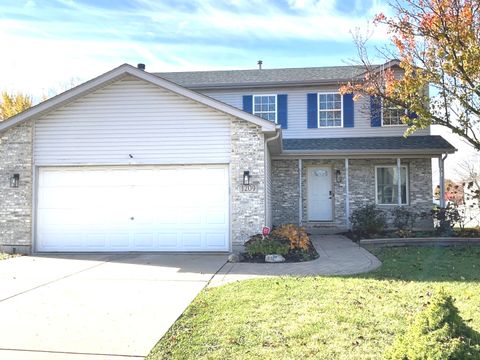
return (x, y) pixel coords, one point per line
(338, 256)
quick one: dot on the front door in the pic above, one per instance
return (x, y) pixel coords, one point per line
(319, 194)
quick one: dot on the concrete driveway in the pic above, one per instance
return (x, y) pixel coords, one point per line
(95, 306)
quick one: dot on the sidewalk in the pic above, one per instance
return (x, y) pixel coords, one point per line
(338, 256)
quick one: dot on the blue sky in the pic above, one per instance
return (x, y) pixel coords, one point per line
(47, 43)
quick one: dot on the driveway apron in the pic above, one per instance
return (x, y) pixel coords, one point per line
(95, 306)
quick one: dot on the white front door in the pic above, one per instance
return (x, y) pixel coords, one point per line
(319, 194)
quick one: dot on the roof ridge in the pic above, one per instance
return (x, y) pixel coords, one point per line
(272, 69)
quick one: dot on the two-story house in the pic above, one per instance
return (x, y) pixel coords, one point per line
(199, 161)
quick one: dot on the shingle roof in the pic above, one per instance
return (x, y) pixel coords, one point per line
(201, 79)
(374, 144)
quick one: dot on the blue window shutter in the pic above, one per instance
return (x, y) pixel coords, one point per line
(248, 103)
(282, 110)
(412, 115)
(375, 111)
(312, 111)
(348, 110)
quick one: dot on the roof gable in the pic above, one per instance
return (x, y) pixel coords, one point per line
(117, 74)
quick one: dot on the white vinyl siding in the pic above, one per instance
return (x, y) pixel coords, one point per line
(297, 113)
(132, 122)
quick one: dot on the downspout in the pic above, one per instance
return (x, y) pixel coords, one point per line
(441, 170)
(399, 182)
(300, 193)
(347, 193)
(265, 170)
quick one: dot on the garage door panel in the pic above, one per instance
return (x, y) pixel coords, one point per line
(216, 217)
(119, 240)
(168, 240)
(192, 240)
(191, 216)
(96, 240)
(133, 209)
(144, 240)
(216, 240)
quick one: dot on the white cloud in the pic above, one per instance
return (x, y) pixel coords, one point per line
(50, 44)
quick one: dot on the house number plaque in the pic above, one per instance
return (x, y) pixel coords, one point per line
(252, 188)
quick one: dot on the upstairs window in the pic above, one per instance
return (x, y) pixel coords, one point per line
(265, 106)
(330, 110)
(392, 114)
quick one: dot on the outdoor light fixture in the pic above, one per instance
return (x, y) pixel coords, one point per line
(338, 176)
(15, 180)
(246, 178)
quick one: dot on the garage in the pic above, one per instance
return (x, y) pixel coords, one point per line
(133, 208)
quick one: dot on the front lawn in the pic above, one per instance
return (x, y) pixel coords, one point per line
(456, 233)
(324, 317)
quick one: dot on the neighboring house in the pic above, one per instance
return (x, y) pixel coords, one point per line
(199, 161)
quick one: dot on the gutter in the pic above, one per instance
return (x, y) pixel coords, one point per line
(369, 151)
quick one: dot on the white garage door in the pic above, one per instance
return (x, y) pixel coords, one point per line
(143, 208)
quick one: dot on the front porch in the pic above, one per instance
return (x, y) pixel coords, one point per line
(321, 192)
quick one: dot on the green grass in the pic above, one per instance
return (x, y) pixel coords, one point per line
(324, 317)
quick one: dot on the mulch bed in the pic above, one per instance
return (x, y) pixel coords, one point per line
(292, 257)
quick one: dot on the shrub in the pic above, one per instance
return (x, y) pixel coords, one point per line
(297, 236)
(438, 333)
(368, 220)
(257, 245)
(404, 219)
(446, 218)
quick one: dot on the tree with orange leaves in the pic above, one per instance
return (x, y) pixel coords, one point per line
(437, 43)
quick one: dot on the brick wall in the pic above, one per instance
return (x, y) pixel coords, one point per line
(248, 154)
(16, 203)
(285, 193)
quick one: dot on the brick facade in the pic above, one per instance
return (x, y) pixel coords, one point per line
(285, 192)
(16, 203)
(361, 184)
(248, 154)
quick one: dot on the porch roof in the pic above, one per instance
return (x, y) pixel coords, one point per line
(431, 144)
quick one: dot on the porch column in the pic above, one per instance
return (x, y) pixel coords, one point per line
(441, 171)
(300, 198)
(347, 195)
(399, 182)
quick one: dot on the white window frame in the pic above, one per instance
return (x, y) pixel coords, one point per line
(325, 110)
(407, 185)
(392, 125)
(276, 106)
